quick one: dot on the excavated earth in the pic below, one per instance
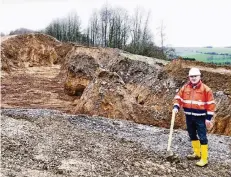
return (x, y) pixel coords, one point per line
(54, 96)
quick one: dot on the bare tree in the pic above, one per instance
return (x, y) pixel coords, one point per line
(94, 29)
(73, 27)
(136, 28)
(118, 28)
(66, 29)
(146, 36)
(105, 15)
(125, 29)
(109, 27)
(167, 52)
(162, 35)
(140, 34)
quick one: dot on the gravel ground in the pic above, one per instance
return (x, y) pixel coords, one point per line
(42, 142)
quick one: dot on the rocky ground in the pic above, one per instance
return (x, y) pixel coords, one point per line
(41, 142)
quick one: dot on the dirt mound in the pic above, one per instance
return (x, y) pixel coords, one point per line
(31, 50)
(106, 96)
(116, 87)
(81, 70)
(62, 50)
(103, 56)
(175, 66)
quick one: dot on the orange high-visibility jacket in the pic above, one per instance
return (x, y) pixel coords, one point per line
(196, 100)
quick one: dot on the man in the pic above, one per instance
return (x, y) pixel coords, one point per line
(198, 103)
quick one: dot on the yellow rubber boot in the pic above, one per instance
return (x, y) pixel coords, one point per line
(196, 150)
(204, 156)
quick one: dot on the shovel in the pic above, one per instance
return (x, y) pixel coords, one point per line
(169, 152)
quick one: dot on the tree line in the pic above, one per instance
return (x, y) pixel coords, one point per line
(114, 28)
(110, 27)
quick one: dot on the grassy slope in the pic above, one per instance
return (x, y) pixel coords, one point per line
(194, 53)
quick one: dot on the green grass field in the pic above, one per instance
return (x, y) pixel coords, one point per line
(216, 49)
(200, 54)
(210, 58)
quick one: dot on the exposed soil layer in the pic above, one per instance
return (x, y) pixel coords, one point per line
(44, 74)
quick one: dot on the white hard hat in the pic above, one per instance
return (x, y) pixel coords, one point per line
(194, 72)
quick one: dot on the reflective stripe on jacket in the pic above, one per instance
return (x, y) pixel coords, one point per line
(196, 100)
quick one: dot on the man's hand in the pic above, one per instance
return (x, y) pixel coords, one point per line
(209, 124)
(175, 110)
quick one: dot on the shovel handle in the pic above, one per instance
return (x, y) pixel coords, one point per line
(171, 130)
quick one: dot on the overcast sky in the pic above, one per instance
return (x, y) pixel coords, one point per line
(189, 23)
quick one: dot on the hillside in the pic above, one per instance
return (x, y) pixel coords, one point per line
(40, 74)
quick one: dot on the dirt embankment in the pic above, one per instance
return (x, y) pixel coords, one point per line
(135, 90)
(105, 82)
(20, 51)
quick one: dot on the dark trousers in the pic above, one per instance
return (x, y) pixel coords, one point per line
(196, 126)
